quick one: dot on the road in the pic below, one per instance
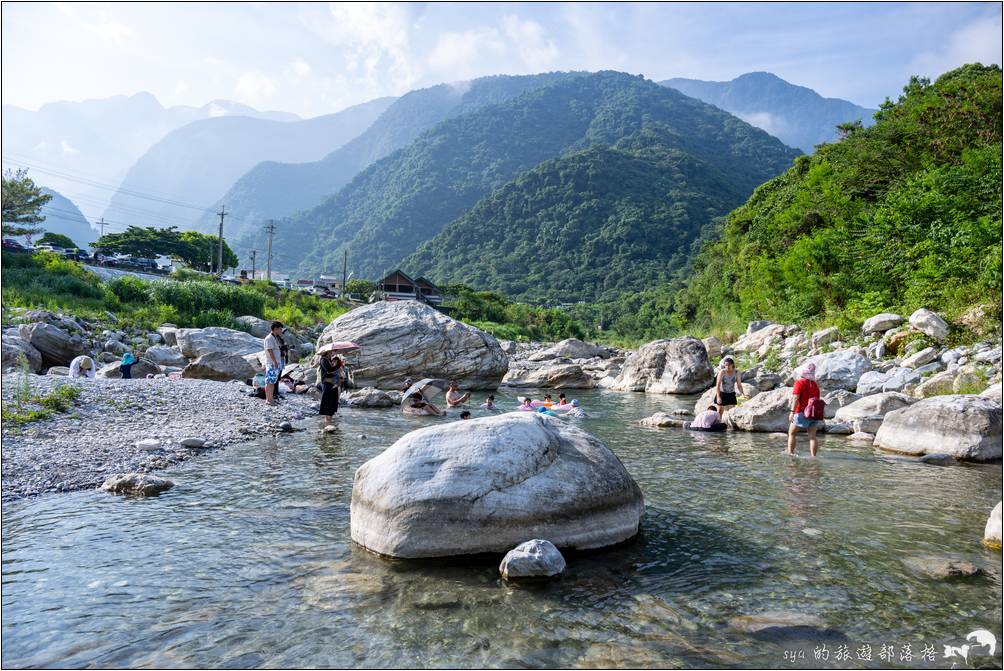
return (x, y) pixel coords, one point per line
(106, 273)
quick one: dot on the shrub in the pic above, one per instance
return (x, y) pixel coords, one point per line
(130, 289)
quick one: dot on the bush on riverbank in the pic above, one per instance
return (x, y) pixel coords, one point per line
(45, 280)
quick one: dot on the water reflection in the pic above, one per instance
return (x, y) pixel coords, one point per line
(247, 561)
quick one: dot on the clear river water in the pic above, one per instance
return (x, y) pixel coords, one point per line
(248, 562)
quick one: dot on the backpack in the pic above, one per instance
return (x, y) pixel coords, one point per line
(814, 409)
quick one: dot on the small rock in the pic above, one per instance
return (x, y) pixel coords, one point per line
(535, 558)
(861, 437)
(361, 436)
(148, 444)
(930, 324)
(661, 419)
(992, 532)
(330, 428)
(285, 427)
(139, 484)
(192, 442)
(943, 568)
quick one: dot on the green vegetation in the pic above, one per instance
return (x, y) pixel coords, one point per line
(28, 406)
(198, 250)
(495, 314)
(22, 202)
(58, 240)
(45, 280)
(588, 226)
(405, 199)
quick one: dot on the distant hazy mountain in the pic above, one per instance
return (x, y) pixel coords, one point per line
(273, 190)
(197, 163)
(97, 140)
(689, 149)
(796, 115)
(63, 216)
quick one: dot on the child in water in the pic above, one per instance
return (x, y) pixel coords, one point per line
(489, 403)
(574, 411)
(527, 404)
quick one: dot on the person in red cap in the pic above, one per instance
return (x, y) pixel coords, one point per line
(804, 391)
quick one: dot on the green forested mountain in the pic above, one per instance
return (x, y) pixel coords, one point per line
(904, 214)
(586, 226)
(797, 115)
(273, 189)
(403, 200)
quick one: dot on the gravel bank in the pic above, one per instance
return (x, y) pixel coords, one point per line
(80, 448)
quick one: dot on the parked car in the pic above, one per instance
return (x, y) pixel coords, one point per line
(13, 245)
(47, 247)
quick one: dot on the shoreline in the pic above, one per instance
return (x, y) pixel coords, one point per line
(80, 448)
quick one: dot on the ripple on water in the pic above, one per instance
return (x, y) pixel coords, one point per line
(247, 562)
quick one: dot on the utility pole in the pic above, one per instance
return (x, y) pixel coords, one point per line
(102, 225)
(270, 229)
(219, 255)
(345, 264)
(254, 252)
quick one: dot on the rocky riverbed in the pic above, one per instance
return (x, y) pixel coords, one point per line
(103, 433)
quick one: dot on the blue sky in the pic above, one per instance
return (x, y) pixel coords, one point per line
(318, 58)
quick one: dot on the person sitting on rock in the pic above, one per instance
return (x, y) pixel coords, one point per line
(489, 403)
(82, 366)
(419, 406)
(454, 399)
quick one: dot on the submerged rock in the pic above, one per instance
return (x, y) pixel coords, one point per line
(661, 419)
(782, 625)
(677, 366)
(536, 558)
(964, 426)
(138, 484)
(942, 568)
(487, 484)
(408, 339)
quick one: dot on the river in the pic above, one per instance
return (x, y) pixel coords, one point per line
(248, 562)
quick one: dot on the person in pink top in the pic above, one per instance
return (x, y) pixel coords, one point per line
(805, 389)
(707, 419)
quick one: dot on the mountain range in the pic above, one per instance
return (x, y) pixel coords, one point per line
(200, 160)
(796, 115)
(698, 153)
(84, 149)
(63, 216)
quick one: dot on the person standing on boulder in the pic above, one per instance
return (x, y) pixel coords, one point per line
(728, 380)
(804, 391)
(273, 362)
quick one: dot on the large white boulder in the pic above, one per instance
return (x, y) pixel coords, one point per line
(881, 323)
(767, 412)
(677, 366)
(837, 399)
(894, 379)
(865, 415)
(163, 355)
(561, 376)
(771, 334)
(992, 532)
(219, 366)
(571, 348)
(256, 326)
(193, 343)
(964, 426)
(839, 370)
(14, 349)
(713, 346)
(535, 558)
(408, 339)
(488, 484)
(57, 347)
(930, 324)
(921, 357)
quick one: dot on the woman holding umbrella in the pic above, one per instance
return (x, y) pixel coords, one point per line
(331, 372)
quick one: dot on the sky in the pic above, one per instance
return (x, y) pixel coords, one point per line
(317, 58)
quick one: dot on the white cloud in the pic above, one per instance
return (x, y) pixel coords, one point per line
(215, 110)
(463, 54)
(109, 31)
(518, 46)
(529, 42)
(301, 67)
(254, 88)
(67, 147)
(979, 41)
